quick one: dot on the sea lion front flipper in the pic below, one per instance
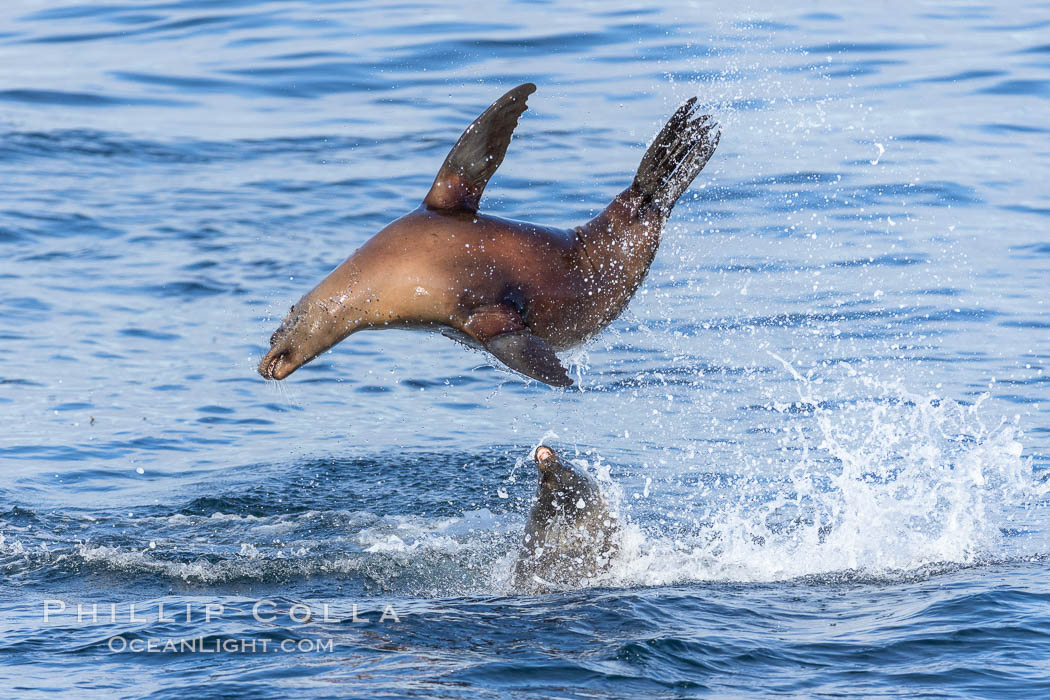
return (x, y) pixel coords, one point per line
(500, 330)
(531, 355)
(477, 154)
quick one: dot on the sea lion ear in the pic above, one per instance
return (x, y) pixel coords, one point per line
(477, 154)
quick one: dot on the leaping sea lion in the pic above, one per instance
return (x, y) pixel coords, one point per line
(571, 534)
(518, 290)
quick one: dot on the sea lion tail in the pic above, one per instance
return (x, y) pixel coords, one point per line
(677, 155)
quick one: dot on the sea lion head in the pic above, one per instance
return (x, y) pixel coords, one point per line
(564, 483)
(561, 486)
(324, 316)
(570, 534)
(290, 346)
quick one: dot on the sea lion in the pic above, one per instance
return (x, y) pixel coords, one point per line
(518, 290)
(571, 534)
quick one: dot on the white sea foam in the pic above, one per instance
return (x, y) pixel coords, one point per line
(876, 486)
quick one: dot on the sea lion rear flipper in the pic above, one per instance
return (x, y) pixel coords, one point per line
(477, 154)
(677, 155)
(531, 355)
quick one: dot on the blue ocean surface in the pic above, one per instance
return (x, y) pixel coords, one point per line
(824, 420)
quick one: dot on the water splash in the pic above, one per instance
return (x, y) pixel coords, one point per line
(863, 480)
(877, 486)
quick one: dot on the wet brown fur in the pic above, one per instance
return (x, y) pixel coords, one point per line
(519, 290)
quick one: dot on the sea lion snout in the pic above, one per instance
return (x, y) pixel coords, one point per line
(272, 366)
(279, 361)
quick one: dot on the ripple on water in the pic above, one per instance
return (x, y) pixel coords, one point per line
(199, 165)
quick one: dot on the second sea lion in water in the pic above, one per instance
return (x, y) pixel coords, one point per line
(520, 291)
(571, 534)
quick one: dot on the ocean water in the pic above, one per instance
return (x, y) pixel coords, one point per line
(824, 419)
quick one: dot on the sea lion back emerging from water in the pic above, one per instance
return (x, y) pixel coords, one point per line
(571, 534)
(517, 290)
